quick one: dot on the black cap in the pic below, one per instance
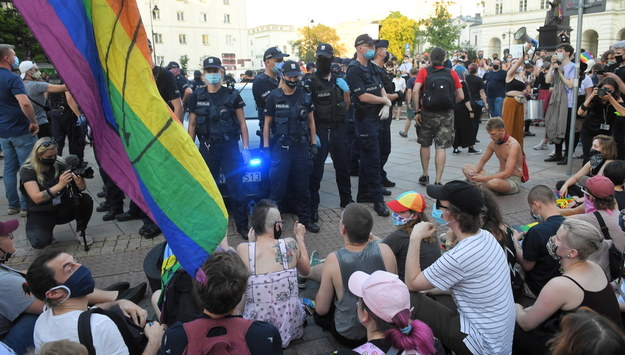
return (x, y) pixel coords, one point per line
(173, 65)
(381, 43)
(337, 60)
(291, 68)
(212, 62)
(274, 52)
(311, 65)
(346, 61)
(197, 73)
(363, 39)
(326, 50)
(249, 73)
(467, 197)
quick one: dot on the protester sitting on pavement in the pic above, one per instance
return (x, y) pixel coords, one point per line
(408, 210)
(587, 332)
(475, 271)
(272, 293)
(64, 286)
(615, 171)
(601, 211)
(583, 283)
(335, 304)
(64, 347)
(507, 149)
(384, 310)
(532, 254)
(223, 284)
(54, 195)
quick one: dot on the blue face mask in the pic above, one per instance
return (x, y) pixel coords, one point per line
(81, 283)
(16, 63)
(398, 220)
(438, 216)
(212, 78)
(370, 54)
(278, 68)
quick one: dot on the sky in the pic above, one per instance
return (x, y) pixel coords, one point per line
(332, 12)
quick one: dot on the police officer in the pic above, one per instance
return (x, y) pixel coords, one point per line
(330, 95)
(370, 106)
(289, 116)
(197, 81)
(182, 83)
(380, 59)
(216, 117)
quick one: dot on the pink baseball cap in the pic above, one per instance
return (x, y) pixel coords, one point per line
(383, 293)
(8, 226)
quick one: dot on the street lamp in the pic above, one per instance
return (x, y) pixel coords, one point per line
(153, 10)
(309, 45)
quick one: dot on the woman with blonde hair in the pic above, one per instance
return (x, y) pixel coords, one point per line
(53, 193)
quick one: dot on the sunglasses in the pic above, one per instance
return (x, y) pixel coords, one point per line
(48, 143)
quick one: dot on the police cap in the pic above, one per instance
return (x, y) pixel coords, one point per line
(363, 39)
(326, 50)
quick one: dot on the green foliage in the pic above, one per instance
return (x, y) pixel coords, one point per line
(184, 62)
(311, 37)
(13, 30)
(398, 30)
(438, 30)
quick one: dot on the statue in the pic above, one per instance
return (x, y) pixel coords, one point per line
(554, 14)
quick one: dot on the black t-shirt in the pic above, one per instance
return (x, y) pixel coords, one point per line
(166, 84)
(262, 87)
(541, 83)
(475, 84)
(398, 242)
(50, 179)
(619, 196)
(262, 338)
(535, 249)
(599, 113)
(495, 83)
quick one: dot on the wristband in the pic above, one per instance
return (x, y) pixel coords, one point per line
(49, 192)
(584, 107)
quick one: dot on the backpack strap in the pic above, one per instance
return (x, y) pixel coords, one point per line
(604, 228)
(251, 256)
(84, 330)
(285, 259)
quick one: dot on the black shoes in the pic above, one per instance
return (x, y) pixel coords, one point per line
(134, 295)
(117, 286)
(555, 157)
(110, 215)
(424, 180)
(388, 183)
(315, 216)
(344, 204)
(149, 231)
(126, 216)
(381, 209)
(364, 198)
(312, 227)
(563, 161)
(101, 194)
(103, 207)
(386, 192)
(529, 134)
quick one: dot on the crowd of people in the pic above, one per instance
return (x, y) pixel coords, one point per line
(492, 288)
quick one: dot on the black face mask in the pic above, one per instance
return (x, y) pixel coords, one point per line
(323, 65)
(277, 231)
(619, 58)
(48, 162)
(291, 84)
(5, 257)
(495, 67)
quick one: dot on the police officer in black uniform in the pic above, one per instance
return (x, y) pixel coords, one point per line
(330, 95)
(216, 117)
(182, 83)
(197, 81)
(370, 106)
(380, 59)
(289, 117)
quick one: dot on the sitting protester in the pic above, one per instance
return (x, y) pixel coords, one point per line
(272, 294)
(54, 195)
(615, 171)
(407, 211)
(583, 283)
(224, 284)
(64, 285)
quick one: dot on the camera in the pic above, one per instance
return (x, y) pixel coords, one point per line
(80, 169)
(603, 91)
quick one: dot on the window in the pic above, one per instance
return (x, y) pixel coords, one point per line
(158, 37)
(498, 7)
(203, 17)
(226, 18)
(543, 4)
(180, 16)
(159, 60)
(205, 39)
(522, 5)
(156, 14)
(229, 40)
(182, 38)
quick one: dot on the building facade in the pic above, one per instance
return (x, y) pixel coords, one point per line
(502, 18)
(265, 36)
(198, 29)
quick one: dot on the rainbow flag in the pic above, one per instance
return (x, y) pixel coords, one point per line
(99, 47)
(585, 57)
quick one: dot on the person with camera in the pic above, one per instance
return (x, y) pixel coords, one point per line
(53, 192)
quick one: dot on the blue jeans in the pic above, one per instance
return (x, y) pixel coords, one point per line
(495, 105)
(16, 151)
(20, 337)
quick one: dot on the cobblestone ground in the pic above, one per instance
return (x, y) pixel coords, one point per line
(118, 250)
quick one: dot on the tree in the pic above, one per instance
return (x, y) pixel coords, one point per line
(13, 30)
(311, 37)
(184, 62)
(398, 30)
(438, 30)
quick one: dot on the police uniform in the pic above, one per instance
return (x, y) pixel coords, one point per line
(331, 128)
(365, 79)
(291, 159)
(64, 123)
(385, 133)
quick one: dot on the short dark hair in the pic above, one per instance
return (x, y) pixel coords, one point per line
(226, 281)
(468, 223)
(437, 56)
(615, 171)
(541, 193)
(259, 216)
(39, 277)
(567, 48)
(495, 123)
(358, 222)
(5, 49)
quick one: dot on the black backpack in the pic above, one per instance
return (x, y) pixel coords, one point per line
(616, 259)
(179, 303)
(133, 335)
(439, 90)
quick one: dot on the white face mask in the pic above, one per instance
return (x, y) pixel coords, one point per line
(560, 56)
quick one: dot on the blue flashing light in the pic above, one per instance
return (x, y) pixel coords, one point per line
(255, 162)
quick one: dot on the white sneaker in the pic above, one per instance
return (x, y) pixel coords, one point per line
(82, 242)
(540, 146)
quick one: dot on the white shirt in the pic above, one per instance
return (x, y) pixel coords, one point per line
(586, 83)
(106, 337)
(476, 272)
(405, 67)
(400, 84)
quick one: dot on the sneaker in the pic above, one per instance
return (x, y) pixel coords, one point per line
(457, 151)
(540, 146)
(23, 213)
(13, 211)
(424, 180)
(403, 134)
(474, 151)
(81, 240)
(301, 282)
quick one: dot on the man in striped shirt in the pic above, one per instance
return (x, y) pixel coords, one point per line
(475, 272)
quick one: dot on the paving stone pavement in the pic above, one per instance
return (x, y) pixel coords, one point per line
(118, 250)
